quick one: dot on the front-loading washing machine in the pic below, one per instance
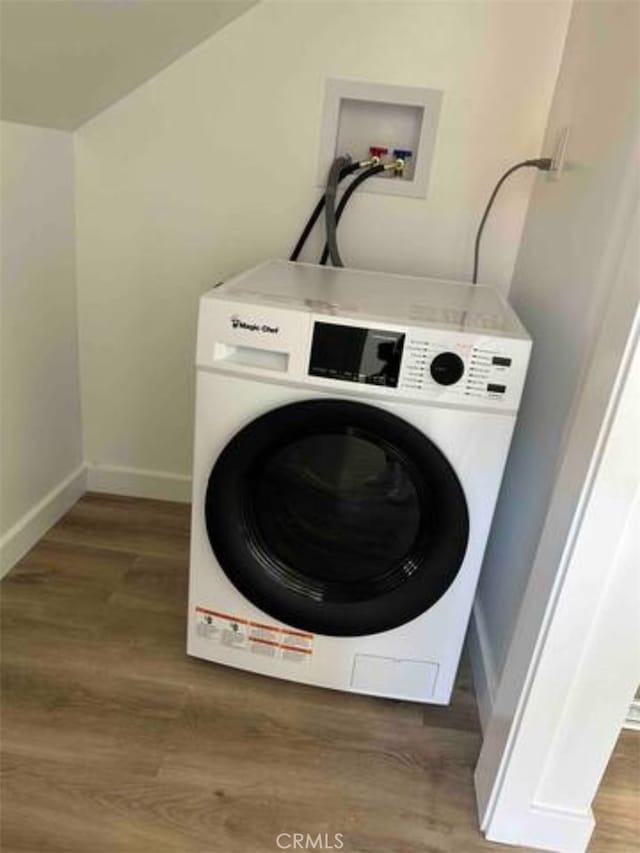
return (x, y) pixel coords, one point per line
(351, 432)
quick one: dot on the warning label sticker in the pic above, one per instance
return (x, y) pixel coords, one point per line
(258, 638)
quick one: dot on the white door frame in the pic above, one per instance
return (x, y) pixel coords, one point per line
(574, 662)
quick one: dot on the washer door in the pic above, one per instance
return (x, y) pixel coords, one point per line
(336, 517)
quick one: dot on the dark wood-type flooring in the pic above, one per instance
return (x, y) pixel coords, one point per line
(113, 741)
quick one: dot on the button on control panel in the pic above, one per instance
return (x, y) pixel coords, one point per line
(489, 373)
(465, 369)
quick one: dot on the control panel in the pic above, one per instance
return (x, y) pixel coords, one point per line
(355, 333)
(466, 367)
(459, 368)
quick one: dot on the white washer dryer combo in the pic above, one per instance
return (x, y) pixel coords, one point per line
(351, 433)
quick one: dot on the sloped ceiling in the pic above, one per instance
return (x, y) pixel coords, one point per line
(63, 61)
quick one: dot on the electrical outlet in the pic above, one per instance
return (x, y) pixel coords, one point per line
(559, 155)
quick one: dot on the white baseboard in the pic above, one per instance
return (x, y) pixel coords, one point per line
(24, 534)
(482, 664)
(138, 483)
(633, 717)
(544, 828)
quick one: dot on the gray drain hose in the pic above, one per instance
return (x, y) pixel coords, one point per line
(330, 209)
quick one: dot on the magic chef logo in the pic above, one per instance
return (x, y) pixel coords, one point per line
(237, 323)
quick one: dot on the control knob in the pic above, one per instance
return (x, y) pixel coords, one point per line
(447, 368)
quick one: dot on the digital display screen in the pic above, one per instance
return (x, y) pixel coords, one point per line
(496, 389)
(501, 361)
(352, 354)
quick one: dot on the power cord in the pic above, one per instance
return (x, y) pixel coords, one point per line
(543, 163)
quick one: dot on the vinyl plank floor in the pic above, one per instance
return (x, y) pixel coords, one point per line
(114, 741)
(617, 806)
(144, 527)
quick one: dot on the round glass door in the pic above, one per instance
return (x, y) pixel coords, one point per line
(336, 517)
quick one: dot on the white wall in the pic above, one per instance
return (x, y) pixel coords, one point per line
(63, 62)
(41, 443)
(570, 247)
(210, 167)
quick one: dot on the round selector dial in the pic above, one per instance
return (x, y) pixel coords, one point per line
(447, 368)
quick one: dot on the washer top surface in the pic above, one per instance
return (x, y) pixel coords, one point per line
(342, 292)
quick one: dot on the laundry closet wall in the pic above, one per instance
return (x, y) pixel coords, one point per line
(211, 167)
(41, 460)
(563, 283)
